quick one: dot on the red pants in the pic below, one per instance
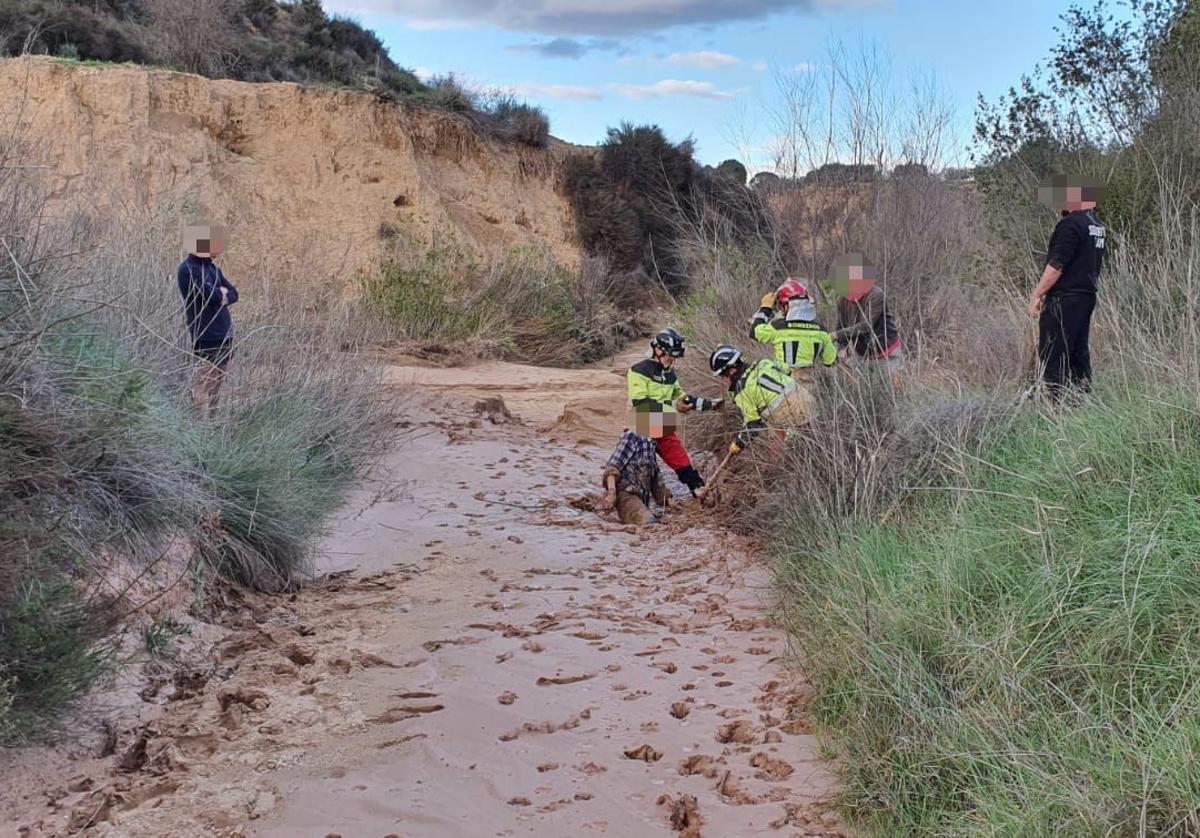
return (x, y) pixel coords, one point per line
(673, 453)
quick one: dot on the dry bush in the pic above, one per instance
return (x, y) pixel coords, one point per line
(523, 305)
(195, 35)
(504, 117)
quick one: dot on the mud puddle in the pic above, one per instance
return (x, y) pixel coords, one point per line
(482, 659)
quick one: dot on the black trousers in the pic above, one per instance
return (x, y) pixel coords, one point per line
(1064, 327)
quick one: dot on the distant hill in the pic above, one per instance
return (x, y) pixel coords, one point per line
(248, 40)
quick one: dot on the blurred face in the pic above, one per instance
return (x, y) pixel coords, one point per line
(1069, 193)
(654, 424)
(205, 240)
(666, 359)
(853, 277)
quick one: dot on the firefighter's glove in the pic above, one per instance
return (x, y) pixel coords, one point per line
(702, 404)
(768, 300)
(736, 447)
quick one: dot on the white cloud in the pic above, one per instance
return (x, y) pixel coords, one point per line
(424, 73)
(706, 60)
(760, 66)
(571, 93)
(673, 87)
(806, 67)
(583, 17)
(437, 24)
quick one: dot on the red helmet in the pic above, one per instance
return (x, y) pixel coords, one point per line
(792, 289)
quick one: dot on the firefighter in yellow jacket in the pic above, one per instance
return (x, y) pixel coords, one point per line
(799, 341)
(653, 384)
(764, 392)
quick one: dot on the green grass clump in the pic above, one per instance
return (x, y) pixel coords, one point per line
(1020, 655)
(275, 470)
(523, 306)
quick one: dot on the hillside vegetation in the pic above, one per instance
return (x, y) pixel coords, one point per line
(250, 40)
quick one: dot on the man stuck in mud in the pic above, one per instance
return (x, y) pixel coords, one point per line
(632, 478)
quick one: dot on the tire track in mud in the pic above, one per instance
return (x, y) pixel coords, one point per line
(496, 663)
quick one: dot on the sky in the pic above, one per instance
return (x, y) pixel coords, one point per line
(708, 69)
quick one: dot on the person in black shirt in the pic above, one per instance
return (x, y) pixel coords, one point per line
(1065, 298)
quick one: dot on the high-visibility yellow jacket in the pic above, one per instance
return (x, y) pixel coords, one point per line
(798, 343)
(650, 383)
(759, 386)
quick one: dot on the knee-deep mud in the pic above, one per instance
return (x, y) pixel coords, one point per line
(481, 658)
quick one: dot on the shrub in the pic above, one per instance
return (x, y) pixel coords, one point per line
(523, 305)
(48, 651)
(734, 170)
(448, 92)
(607, 226)
(516, 122)
(275, 470)
(642, 188)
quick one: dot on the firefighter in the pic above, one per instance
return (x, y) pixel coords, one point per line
(654, 382)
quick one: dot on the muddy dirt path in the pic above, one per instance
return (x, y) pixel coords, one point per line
(483, 659)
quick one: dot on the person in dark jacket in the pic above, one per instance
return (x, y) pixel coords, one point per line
(207, 295)
(1064, 300)
(864, 322)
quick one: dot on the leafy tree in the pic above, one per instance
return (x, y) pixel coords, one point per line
(734, 170)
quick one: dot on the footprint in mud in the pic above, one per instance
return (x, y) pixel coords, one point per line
(684, 814)
(559, 680)
(507, 698)
(734, 794)
(645, 753)
(738, 733)
(705, 766)
(434, 645)
(547, 727)
(680, 710)
(404, 713)
(771, 769)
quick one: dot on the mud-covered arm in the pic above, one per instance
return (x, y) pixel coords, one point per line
(659, 491)
(853, 325)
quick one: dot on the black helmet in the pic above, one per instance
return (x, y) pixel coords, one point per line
(669, 341)
(724, 358)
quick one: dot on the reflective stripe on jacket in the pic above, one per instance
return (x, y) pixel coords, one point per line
(758, 387)
(650, 383)
(797, 343)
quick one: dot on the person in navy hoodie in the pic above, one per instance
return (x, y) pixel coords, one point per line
(207, 296)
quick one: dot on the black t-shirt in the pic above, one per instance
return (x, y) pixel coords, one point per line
(1077, 249)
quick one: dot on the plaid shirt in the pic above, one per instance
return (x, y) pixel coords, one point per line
(636, 463)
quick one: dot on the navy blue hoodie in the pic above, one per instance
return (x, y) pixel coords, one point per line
(200, 284)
